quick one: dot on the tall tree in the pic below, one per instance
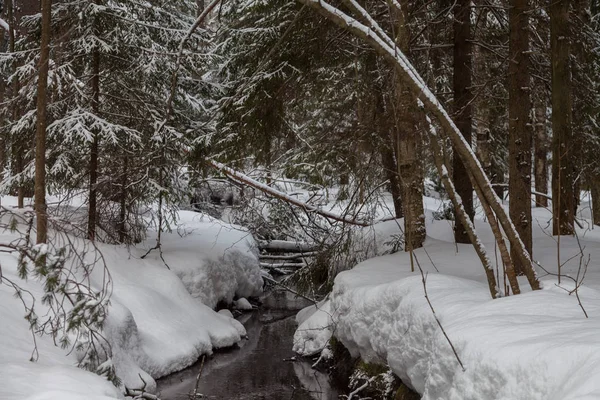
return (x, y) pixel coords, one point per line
(463, 115)
(563, 174)
(520, 125)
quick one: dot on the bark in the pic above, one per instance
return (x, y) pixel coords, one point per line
(541, 154)
(390, 167)
(406, 72)
(41, 123)
(520, 127)
(563, 174)
(123, 201)
(93, 189)
(463, 113)
(408, 138)
(18, 143)
(595, 189)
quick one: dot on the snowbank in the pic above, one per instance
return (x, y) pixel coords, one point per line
(215, 260)
(158, 321)
(537, 345)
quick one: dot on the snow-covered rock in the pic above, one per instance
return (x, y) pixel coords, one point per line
(242, 304)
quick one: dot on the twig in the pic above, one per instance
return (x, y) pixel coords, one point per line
(424, 280)
(195, 395)
(289, 289)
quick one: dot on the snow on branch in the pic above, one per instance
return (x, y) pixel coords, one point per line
(241, 178)
(4, 25)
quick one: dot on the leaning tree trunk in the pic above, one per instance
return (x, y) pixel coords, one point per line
(461, 212)
(563, 175)
(520, 127)
(41, 122)
(384, 45)
(463, 69)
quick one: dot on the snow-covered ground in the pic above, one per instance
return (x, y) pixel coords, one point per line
(159, 320)
(537, 345)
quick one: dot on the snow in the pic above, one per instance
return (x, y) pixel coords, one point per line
(216, 261)
(242, 304)
(159, 321)
(4, 25)
(537, 345)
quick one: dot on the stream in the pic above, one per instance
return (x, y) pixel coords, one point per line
(260, 367)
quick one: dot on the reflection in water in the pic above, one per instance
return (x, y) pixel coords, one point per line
(258, 368)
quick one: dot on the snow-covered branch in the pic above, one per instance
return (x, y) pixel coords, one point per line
(239, 177)
(4, 25)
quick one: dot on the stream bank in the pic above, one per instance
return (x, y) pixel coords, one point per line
(259, 367)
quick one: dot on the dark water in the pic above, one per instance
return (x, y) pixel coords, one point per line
(260, 368)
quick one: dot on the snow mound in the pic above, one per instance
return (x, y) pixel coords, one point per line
(216, 261)
(537, 345)
(154, 325)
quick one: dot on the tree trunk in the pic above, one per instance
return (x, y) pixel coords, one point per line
(123, 201)
(410, 169)
(383, 44)
(461, 213)
(41, 122)
(520, 126)
(563, 207)
(595, 189)
(463, 67)
(93, 189)
(18, 143)
(541, 153)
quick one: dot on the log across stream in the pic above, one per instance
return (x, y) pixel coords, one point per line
(260, 368)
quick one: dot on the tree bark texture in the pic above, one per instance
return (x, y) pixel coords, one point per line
(41, 123)
(520, 126)
(541, 153)
(563, 174)
(408, 138)
(463, 111)
(93, 189)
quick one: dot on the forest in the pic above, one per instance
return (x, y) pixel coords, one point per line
(311, 199)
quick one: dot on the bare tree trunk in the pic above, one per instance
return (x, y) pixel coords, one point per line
(41, 122)
(541, 153)
(520, 126)
(123, 200)
(410, 169)
(93, 189)
(563, 207)
(391, 171)
(595, 189)
(389, 157)
(18, 143)
(461, 213)
(463, 69)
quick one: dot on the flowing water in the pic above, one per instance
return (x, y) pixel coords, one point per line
(260, 367)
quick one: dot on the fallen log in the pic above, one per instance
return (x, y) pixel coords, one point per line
(284, 246)
(288, 257)
(282, 265)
